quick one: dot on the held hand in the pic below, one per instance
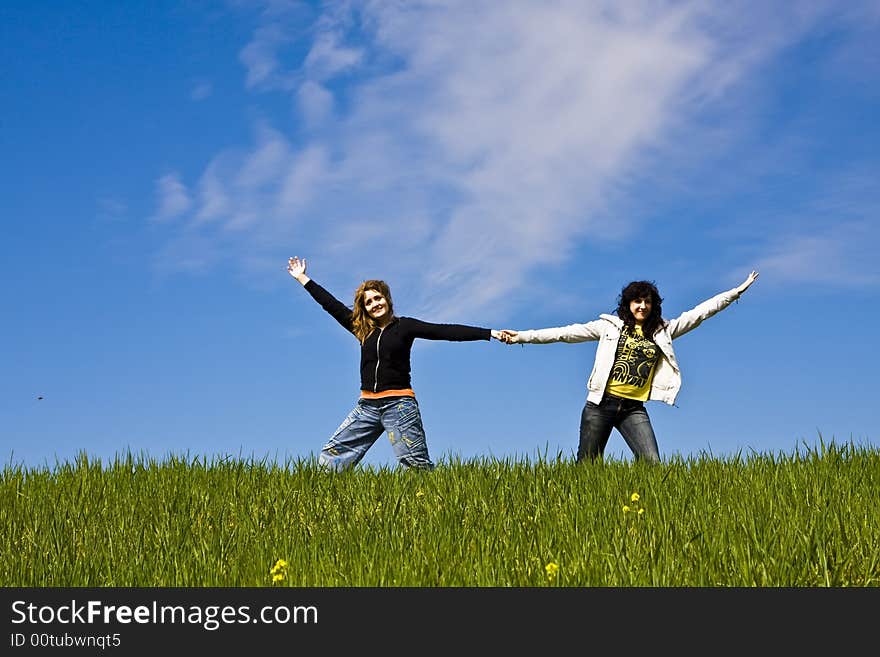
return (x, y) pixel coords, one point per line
(746, 283)
(508, 336)
(296, 267)
(502, 335)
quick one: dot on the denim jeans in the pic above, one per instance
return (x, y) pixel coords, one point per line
(399, 416)
(628, 416)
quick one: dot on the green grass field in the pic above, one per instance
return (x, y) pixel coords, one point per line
(807, 520)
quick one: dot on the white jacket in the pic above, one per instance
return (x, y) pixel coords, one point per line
(667, 377)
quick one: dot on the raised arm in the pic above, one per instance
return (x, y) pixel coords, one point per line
(296, 267)
(751, 278)
(691, 319)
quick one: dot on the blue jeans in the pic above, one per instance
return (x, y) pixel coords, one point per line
(628, 416)
(399, 416)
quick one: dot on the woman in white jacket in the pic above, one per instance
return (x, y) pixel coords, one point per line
(634, 363)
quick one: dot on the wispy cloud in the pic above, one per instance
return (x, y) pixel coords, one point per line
(201, 90)
(111, 209)
(832, 240)
(472, 142)
(315, 103)
(839, 255)
(260, 58)
(173, 197)
(329, 56)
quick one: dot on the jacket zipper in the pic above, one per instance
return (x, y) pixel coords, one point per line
(376, 373)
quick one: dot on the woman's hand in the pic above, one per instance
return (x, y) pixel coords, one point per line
(506, 335)
(751, 278)
(296, 267)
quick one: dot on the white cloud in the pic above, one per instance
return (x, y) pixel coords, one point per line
(214, 200)
(260, 58)
(201, 90)
(328, 57)
(832, 239)
(315, 102)
(111, 209)
(843, 255)
(304, 175)
(479, 140)
(261, 167)
(173, 197)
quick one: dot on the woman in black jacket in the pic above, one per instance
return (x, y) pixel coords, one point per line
(387, 401)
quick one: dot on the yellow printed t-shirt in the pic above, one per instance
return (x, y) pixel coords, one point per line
(633, 365)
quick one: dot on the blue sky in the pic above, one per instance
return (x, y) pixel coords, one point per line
(507, 165)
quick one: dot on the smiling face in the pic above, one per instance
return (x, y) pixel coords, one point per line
(376, 306)
(640, 309)
(640, 304)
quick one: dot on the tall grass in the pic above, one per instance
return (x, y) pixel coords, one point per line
(809, 519)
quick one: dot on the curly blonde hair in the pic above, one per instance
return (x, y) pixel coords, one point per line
(361, 322)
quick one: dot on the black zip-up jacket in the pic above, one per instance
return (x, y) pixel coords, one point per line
(385, 354)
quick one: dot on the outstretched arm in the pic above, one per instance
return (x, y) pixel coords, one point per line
(572, 333)
(417, 328)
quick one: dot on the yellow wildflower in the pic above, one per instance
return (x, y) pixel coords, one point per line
(552, 569)
(278, 572)
(634, 497)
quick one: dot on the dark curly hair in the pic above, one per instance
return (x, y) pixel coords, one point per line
(637, 290)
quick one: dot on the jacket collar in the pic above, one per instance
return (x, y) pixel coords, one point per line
(377, 330)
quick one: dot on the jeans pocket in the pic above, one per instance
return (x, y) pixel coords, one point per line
(407, 414)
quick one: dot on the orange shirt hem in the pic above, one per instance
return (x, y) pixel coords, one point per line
(400, 392)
